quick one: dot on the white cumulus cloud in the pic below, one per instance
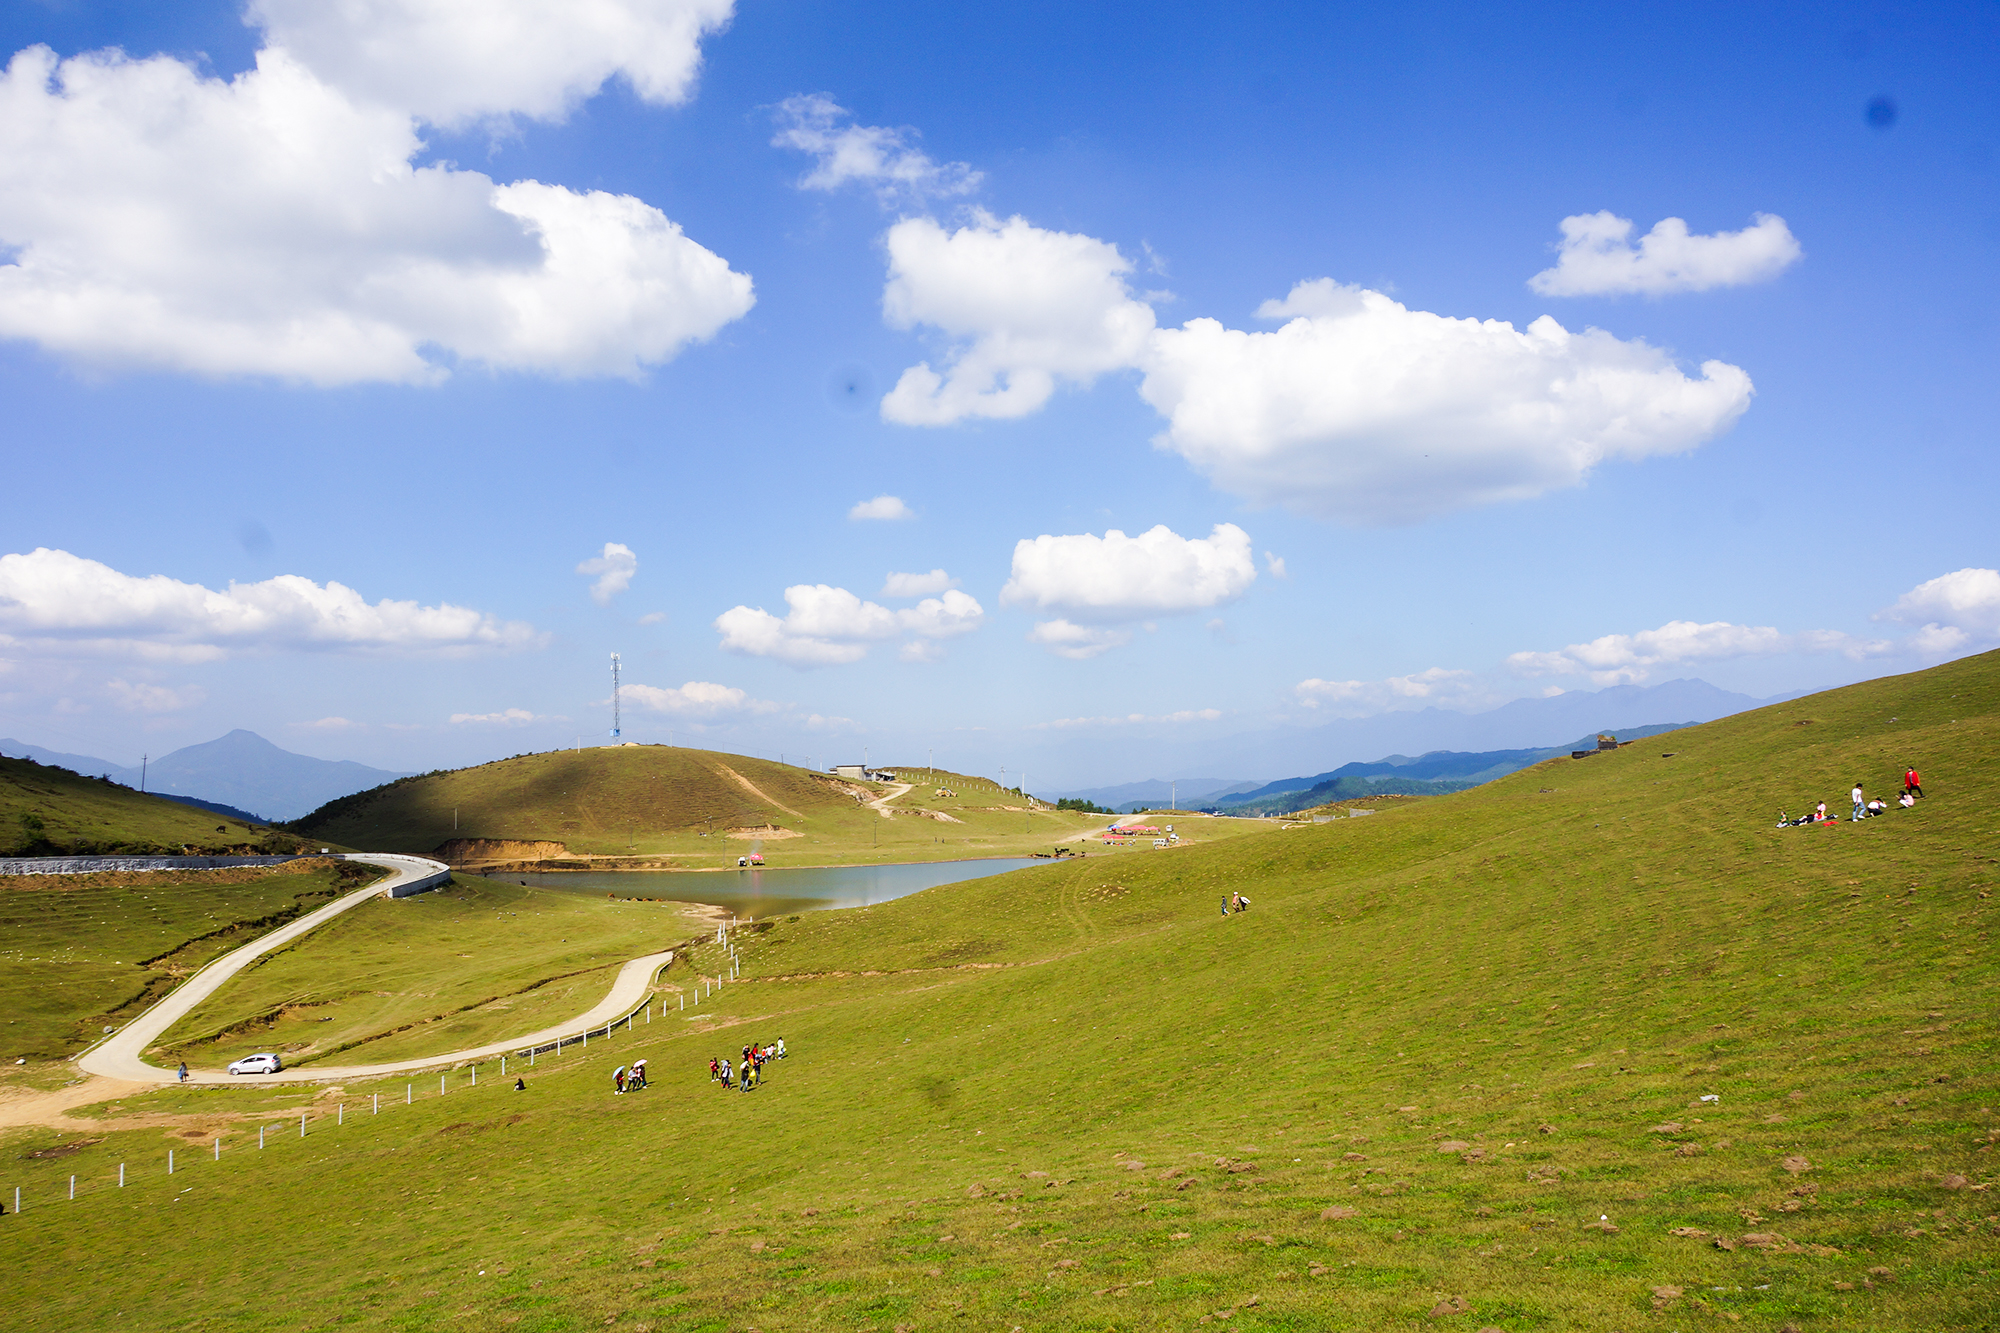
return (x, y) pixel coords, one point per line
(1617, 659)
(507, 717)
(1079, 643)
(613, 570)
(452, 62)
(883, 508)
(917, 585)
(1438, 685)
(1361, 409)
(1597, 257)
(828, 626)
(274, 224)
(885, 159)
(144, 697)
(57, 602)
(698, 699)
(1951, 611)
(1027, 308)
(1115, 578)
(1132, 719)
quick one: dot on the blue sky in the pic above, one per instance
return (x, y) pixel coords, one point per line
(237, 346)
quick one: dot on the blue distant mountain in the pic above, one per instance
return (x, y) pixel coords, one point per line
(234, 775)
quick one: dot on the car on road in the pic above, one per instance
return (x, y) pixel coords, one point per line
(266, 1063)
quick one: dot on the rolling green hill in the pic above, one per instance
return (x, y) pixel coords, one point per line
(1594, 1046)
(672, 807)
(50, 811)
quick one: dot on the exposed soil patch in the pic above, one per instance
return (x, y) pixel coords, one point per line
(456, 851)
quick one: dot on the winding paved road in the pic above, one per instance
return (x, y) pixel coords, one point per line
(122, 1055)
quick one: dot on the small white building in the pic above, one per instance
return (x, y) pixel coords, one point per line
(858, 771)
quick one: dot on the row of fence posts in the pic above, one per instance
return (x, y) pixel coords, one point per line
(409, 1099)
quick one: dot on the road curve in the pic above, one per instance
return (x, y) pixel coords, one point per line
(122, 1055)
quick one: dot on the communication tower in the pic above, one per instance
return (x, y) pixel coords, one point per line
(616, 721)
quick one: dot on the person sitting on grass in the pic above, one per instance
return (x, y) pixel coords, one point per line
(1906, 800)
(1878, 806)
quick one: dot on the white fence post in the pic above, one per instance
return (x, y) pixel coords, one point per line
(218, 1150)
(531, 1057)
(170, 1166)
(440, 1085)
(72, 1187)
(475, 1076)
(302, 1126)
(503, 1066)
(260, 1146)
(17, 1198)
(121, 1175)
(409, 1093)
(378, 1103)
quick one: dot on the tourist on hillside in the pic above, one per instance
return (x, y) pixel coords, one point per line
(1819, 813)
(1860, 810)
(619, 1079)
(1906, 800)
(1912, 783)
(725, 1071)
(1878, 806)
(781, 1048)
(184, 1071)
(1225, 904)
(637, 1079)
(714, 1069)
(520, 1085)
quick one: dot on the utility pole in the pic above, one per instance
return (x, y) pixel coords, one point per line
(142, 769)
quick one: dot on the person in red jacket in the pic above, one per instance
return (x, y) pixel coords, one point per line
(1912, 783)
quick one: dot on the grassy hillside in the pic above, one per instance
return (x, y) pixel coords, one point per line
(676, 807)
(1593, 1046)
(80, 951)
(49, 811)
(479, 961)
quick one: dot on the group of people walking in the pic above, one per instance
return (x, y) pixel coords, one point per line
(748, 1074)
(632, 1079)
(1235, 902)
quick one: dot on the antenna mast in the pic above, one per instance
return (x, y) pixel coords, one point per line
(617, 723)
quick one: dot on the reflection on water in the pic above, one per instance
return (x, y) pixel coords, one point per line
(765, 893)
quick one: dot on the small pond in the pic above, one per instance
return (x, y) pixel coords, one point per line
(767, 893)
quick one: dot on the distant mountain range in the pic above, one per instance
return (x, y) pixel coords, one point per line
(1154, 793)
(1433, 774)
(1524, 724)
(233, 775)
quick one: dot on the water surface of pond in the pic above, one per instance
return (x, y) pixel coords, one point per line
(765, 893)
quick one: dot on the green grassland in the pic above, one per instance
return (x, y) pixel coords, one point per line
(475, 962)
(50, 811)
(667, 807)
(78, 952)
(1594, 1047)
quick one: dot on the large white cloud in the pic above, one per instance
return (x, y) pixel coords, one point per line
(1951, 611)
(274, 225)
(1030, 308)
(1358, 408)
(455, 61)
(1597, 257)
(1116, 578)
(697, 698)
(1617, 659)
(828, 626)
(885, 159)
(1361, 409)
(55, 602)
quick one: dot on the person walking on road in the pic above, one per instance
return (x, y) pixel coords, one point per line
(184, 1071)
(1912, 784)
(1860, 805)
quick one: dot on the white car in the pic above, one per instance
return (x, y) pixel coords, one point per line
(265, 1063)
